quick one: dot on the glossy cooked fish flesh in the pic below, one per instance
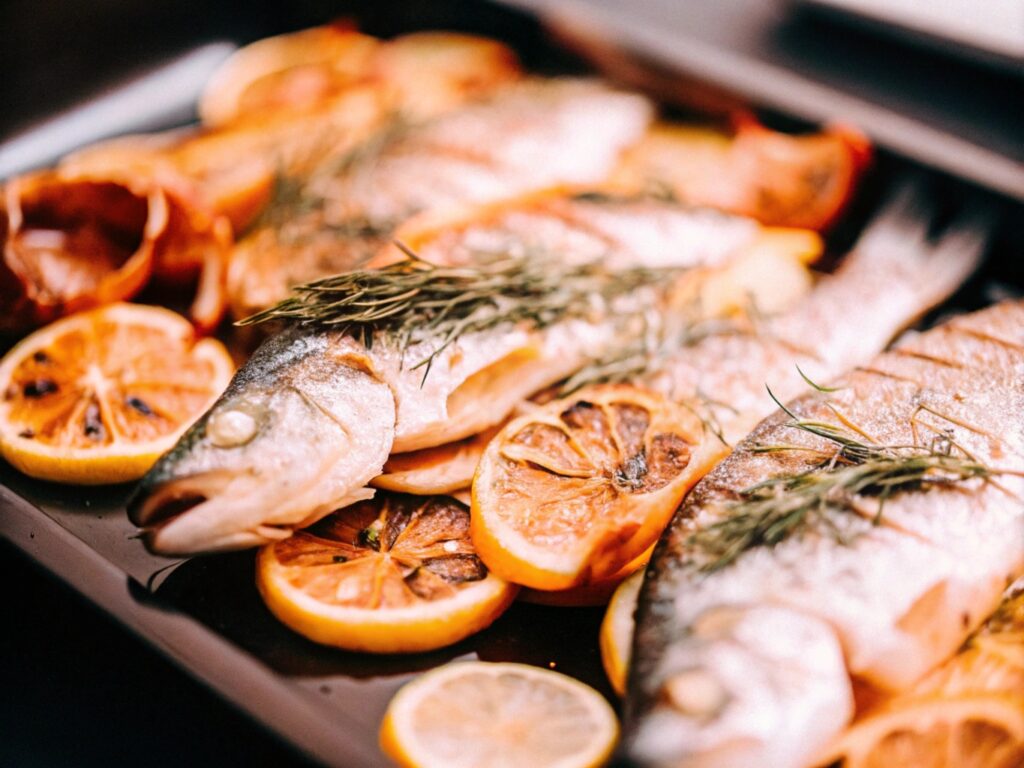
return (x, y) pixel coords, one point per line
(261, 481)
(752, 662)
(526, 136)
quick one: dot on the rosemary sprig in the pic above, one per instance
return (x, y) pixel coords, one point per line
(649, 353)
(853, 468)
(414, 301)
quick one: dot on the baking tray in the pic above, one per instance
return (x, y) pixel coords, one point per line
(206, 615)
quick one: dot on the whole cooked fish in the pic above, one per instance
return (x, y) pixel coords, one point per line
(314, 415)
(781, 582)
(526, 136)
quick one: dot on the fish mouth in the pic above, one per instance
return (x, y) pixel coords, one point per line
(156, 505)
(198, 514)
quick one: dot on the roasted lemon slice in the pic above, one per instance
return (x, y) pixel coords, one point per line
(498, 715)
(570, 493)
(396, 574)
(587, 595)
(616, 638)
(444, 469)
(981, 730)
(98, 396)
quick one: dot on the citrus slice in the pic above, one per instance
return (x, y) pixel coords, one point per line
(616, 638)
(98, 396)
(443, 469)
(779, 179)
(982, 730)
(586, 595)
(571, 492)
(75, 243)
(395, 574)
(498, 715)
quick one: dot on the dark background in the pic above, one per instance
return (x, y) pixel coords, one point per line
(53, 53)
(78, 690)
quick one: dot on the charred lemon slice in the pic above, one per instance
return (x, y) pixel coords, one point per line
(484, 714)
(570, 493)
(616, 638)
(98, 396)
(967, 731)
(396, 574)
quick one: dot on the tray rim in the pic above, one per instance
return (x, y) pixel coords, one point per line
(321, 734)
(774, 86)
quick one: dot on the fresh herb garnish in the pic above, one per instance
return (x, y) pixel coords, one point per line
(649, 353)
(414, 301)
(849, 469)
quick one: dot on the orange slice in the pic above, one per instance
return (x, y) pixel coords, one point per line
(616, 637)
(396, 574)
(587, 595)
(98, 396)
(444, 469)
(981, 730)
(485, 714)
(779, 179)
(570, 493)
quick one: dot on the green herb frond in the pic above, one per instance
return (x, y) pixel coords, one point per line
(414, 301)
(847, 471)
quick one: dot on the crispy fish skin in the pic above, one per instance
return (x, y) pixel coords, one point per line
(473, 384)
(299, 432)
(897, 598)
(524, 137)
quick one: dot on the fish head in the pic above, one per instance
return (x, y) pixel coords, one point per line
(301, 429)
(746, 685)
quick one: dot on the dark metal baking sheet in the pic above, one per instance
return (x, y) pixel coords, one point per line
(955, 116)
(206, 615)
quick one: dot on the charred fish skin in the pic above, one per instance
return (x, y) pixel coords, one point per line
(300, 430)
(897, 594)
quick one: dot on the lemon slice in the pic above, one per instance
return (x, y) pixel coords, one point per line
(98, 396)
(498, 715)
(590, 595)
(616, 638)
(982, 730)
(571, 492)
(396, 574)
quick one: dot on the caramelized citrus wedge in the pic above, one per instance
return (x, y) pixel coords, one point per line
(981, 730)
(616, 638)
(98, 396)
(570, 493)
(74, 244)
(779, 179)
(395, 574)
(498, 714)
(286, 72)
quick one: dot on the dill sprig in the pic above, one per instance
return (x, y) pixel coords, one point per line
(413, 301)
(849, 469)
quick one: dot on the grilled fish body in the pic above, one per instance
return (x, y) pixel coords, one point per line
(754, 663)
(527, 136)
(326, 412)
